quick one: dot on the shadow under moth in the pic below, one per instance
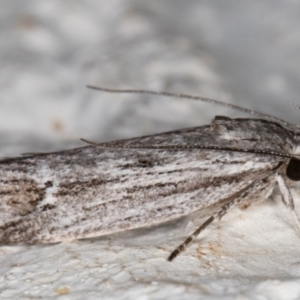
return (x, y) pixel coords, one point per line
(105, 188)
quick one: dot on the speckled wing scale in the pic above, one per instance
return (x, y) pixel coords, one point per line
(121, 185)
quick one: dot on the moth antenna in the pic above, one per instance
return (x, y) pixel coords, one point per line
(261, 152)
(88, 142)
(191, 97)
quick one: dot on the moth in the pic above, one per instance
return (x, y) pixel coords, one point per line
(109, 187)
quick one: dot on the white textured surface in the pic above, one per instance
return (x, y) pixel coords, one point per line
(245, 52)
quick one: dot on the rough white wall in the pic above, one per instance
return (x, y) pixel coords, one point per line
(242, 52)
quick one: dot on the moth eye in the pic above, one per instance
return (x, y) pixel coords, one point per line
(293, 170)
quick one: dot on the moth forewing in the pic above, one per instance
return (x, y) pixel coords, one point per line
(95, 190)
(120, 185)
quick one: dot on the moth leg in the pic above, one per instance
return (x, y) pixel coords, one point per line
(182, 247)
(287, 198)
(256, 188)
(218, 214)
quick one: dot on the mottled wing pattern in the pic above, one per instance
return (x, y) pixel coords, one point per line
(102, 189)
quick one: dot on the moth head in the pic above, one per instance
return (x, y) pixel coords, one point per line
(293, 170)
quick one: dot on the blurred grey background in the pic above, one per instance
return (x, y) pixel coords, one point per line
(245, 52)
